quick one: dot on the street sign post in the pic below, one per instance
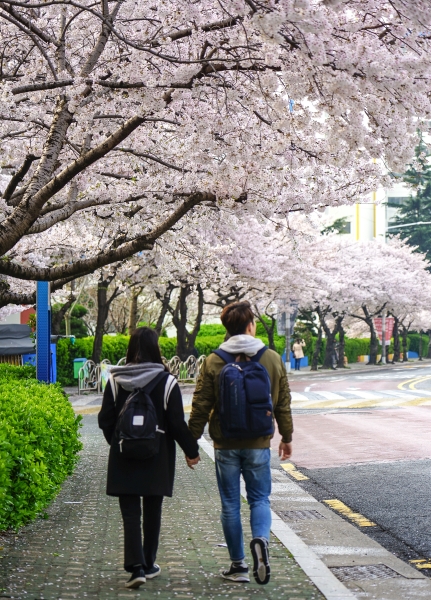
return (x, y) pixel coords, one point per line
(384, 328)
(43, 331)
(286, 323)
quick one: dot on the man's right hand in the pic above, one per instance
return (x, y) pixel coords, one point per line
(192, 461)
(285, 450)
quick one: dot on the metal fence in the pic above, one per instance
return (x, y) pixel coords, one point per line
(90, 374)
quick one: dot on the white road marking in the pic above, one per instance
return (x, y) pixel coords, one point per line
(330, 395)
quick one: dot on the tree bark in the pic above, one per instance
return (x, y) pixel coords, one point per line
(396, 335)
(58, 317)
(404, 334)
(185, 339)
(165, 300)
(420, 345)
(103, 305)
(328, 361)
(318, 346)
(270, 329)
(133, 313)
(342, 342)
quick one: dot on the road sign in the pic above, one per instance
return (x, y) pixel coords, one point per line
(389, 327)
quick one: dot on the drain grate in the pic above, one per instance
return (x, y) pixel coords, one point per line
(364, 572)
(300, 515)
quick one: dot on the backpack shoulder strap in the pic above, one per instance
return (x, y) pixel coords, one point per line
(154, 382)
(113, 387)
(226, 356)
(258, 355)
(169, 385)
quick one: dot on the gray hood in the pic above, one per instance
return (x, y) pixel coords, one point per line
(242, 344)
(134, 376)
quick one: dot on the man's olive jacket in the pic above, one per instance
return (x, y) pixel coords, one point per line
(205, 404)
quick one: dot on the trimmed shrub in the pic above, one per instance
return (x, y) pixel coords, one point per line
(39, 443)
(413, 340)
(211, 329)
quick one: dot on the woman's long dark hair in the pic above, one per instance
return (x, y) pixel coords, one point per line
(144, 346)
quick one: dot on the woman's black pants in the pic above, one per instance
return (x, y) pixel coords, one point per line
(136, 553)
(297, 364)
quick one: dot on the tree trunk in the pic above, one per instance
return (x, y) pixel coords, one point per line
(374, 340)
(58, 317)
(404, 338)
(185, 339)
(316, 353)
(270, 329)
(420, 344)
(328, 360)
(396, 335)
(165, 307)
(103, 304)
(133, 313)
(342, 343)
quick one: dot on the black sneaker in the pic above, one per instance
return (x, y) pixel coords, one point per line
(137, 578)
(239, 574)
(261, 568)
(153, 572)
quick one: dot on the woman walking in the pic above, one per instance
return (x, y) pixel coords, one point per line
(152, 478)
(298, 353)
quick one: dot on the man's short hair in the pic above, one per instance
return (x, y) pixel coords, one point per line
(236, 317)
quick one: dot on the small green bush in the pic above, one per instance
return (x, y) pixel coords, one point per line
(39, 442)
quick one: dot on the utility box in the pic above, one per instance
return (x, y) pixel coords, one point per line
(77, 364)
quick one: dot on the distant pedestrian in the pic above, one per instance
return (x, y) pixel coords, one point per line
(242, 387)
(150, 478)
(298, 353)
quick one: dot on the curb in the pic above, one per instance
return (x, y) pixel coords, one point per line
(310, 563)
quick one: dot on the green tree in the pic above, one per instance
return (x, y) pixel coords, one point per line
(77, 325)
(417, 209)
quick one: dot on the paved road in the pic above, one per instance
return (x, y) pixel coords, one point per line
(371, 451)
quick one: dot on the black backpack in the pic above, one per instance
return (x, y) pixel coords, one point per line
(138, 431)
(246, 409)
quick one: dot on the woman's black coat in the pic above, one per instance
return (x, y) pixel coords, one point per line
(155, 476)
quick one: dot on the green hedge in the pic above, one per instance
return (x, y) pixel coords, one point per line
(39, 442)
(115, 347)
(413, 343)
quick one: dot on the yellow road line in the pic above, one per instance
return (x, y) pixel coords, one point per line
(413, 382)
(422, 563)
(291, 469)
(344, 510)
(413, 385)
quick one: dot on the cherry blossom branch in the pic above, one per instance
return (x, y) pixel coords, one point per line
(85, 266)
(13, 228)
(17, 178)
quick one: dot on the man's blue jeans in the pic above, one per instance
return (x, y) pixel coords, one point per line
(254, 465)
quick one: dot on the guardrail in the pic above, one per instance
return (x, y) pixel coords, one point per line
(92, 376)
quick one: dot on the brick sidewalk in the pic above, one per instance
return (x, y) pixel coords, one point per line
(77, 552)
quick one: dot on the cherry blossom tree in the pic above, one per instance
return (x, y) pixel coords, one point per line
(119, 119)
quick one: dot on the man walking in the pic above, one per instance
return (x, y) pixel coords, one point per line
(244, 455)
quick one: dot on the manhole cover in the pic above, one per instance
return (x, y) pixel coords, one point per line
(364, 572)
(300, 515)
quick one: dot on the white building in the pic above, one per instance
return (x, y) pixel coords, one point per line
(367, 221)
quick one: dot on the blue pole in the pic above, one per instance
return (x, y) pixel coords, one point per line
(43, 331)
